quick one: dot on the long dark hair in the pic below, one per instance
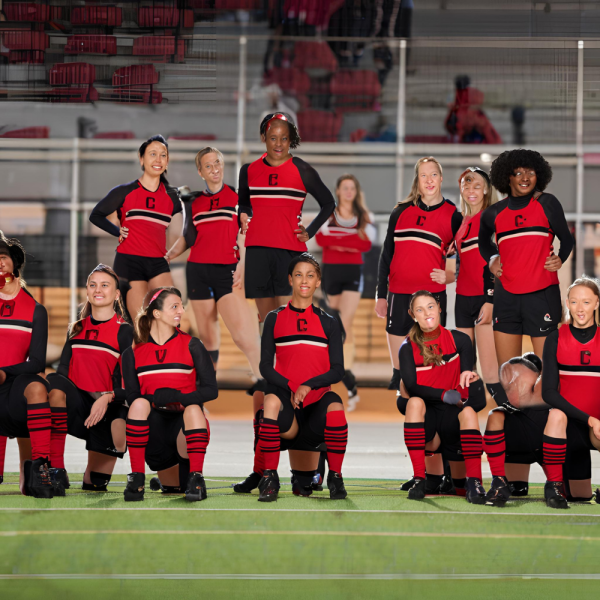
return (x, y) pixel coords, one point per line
(142, 150)
(145, 318)
(86, 311)
(417, 335)
(358, 204)
(16, 251)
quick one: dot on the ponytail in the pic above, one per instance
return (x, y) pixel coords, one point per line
(417, 336)
(145, 318)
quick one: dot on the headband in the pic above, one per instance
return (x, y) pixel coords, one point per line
(475, 170)
(156, 295)
(275, 117)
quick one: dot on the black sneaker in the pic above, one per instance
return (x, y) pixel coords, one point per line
(317, 483)
(301, 490)
(268, 486)
(250, 483)
(417, 491)
(1, 479)
(40, 485)
(157, 486)
(475, 491)
(134, 492)
(597, 496)
(499, 493)
(92, 487)
(26, 477)
(447, 487)
(395, 381)
(59, 480)
(407, 485)
(335, 483)
(196, 488)
(518, 488)
(554, 494)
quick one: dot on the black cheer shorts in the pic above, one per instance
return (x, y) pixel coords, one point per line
(399, 321)
(467, 309)
(207, 281)
(536, 314)
(342, 278)
(578, 464)
(311, 420)
(79, 405)
(266, 274)
(139, 268)
(161, 451)
(13, 405)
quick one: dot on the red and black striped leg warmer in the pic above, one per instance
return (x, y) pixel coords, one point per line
(197, 442)
(555, 450)
(58, 436)
(414, 438)
(269, 444)
(494, 446)
(336, 438)
(39, 423)
(472, 449)
(137, 434)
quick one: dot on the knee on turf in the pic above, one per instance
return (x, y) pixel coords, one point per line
(36, 393)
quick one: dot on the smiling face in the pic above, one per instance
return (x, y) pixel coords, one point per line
(522, 181)
(277, 140)
(171, 312)
(346, 191)
(211, 168)
(430, 180)
(427, 312)
(102, 289)
(155, 160)
(473, 188)
(304, 280)
(582, 303)
(6, 263)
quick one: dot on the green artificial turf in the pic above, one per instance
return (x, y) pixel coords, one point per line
(358, 547)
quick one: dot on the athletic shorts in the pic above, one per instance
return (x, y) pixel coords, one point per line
(207, 281)
(399, 321)
(467, 309)
(79, 405)
(13, 405)
(266, 274)
(537, 314)
(578, 464)
(524, 435)
(139, 268)
(342, 278)
(311, 420)
(161, 451)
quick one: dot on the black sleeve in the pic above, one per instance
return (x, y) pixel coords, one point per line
(487, 229)
(173, 193)
(387, 253)
(315, 186)
(109, 204)
(464, 347)
(244, 204)
(65, 358)
(206, 378)
(36, 362)
(189, 231)
(488, 285)
(551, 381)
(267, 354)
(124, 339)
(408, 374)
(332, 330)
(456, 222)
(132, 384)
(556, 217)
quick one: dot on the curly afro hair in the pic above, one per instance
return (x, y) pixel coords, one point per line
(504, 166)
(294, 135)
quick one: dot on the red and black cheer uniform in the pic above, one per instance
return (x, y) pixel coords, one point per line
(211, 229)
(475, 284)
(170, 376)
(24, 335)
(526, 295)
(147, 214)
(274, 197)
(303, 347)
(416, 242)
(90, 365)
(571, 383)
(342, 270)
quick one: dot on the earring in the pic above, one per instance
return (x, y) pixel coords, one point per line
(415, 320)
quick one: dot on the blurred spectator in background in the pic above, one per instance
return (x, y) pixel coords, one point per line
(466, 122)
(353, 19)
(272, 99)
(517, 116)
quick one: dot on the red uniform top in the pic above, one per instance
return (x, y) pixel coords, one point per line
(338, 233)
(474, 277)
(24, 330)
(579, 371)
(274, 197)
(147, 214)
(417, 239)
(302, 347)
(211, 226)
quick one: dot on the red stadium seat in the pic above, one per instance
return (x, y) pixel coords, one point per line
(72, 74)
(115, 135)
(237, 4)
(91, 44)
(32, 57)
(315, 55)
(74, 94)
(27, 11)
(154, 45)
(289, 80)
(355, 90)
(427, 139)
(319, 125)
(25, 40)
(135, 75)
(29, 133)
(158, 16)
(111, 16)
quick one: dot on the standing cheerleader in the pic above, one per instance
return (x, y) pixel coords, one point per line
(272, 191)
(145, 208)
(420, 231)
(168, 376)
(86, 393)
(475, 285)
(346, 235)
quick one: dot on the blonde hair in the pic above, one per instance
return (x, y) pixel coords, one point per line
(204, 152)
(414, 194)
(590, 283)
(417, 336)
(489, 197)
(358, 203)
